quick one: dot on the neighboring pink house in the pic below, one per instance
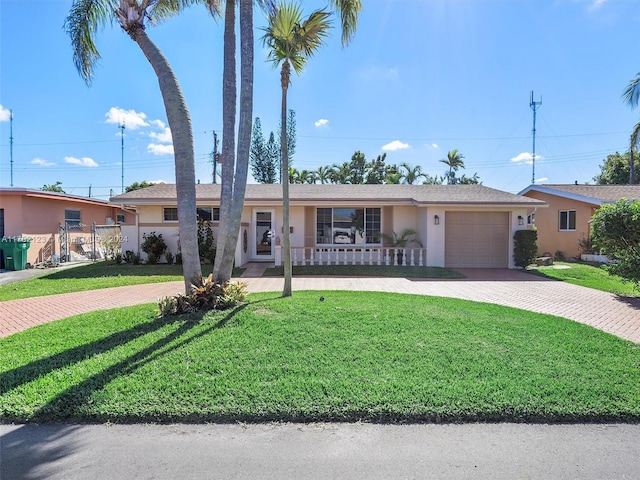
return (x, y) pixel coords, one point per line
(37, 215)
(571, 207)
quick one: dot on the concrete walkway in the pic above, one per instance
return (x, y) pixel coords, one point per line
(617, 315)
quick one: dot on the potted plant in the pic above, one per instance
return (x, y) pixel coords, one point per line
(400, 242)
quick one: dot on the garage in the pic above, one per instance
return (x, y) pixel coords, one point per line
(477, 239)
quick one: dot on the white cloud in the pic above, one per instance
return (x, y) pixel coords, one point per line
(435, 145)
(395, 145)
(526, 158)
(541, 180)
(5, 114)
(84, 161)
(321, 123)
(40, 161)
(157, 149)
(162, 137)
(132, 119)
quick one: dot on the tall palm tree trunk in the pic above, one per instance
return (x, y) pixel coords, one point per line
(221, 270)
(286, 235)
(180, 125)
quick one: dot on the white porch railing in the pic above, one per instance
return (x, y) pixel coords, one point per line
(310, 256)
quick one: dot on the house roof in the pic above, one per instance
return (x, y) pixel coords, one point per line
(330, 194)
(26, 192)
(594, 194)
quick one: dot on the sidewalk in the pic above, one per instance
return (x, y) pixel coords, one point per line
(617, 315)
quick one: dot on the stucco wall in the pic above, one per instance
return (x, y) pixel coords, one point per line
(550, 238)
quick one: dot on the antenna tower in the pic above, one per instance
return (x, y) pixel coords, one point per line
(121, 127)
(534, 106)
(11, 143)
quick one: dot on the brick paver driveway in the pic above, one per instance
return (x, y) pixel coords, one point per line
(617, 315)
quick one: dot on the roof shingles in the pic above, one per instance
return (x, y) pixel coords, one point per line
(413, 194)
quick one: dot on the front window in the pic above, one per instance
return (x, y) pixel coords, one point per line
(531, 219)
(170, 214)
(567, 220)
(348, 226)
(208, 214)
(72, 219)
(120, 218)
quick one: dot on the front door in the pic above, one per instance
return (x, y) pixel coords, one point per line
(264, 241)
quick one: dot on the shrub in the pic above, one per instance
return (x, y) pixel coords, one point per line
(169, 257)
(559, 256)
(525, 247)
(206, 245)
(616, 231)
(205, 294)
(586, 246)
(152, 259)
(132, 258)
(153, 243)
(119, 259)
(179, 258)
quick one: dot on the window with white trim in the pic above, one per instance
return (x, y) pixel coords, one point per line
(121, 218)
(348, 226)
(208, 214)
(170, 214)
(531, 219)
(567, 220)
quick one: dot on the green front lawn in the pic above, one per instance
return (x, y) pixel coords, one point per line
(587, 275)
(93, 276)
(367, 271)
(354, 356)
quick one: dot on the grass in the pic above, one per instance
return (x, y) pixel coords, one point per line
(368, 271)
(94, 276)
(354, 356)
(587, 275)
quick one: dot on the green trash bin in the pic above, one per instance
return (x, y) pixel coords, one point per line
(15, 253)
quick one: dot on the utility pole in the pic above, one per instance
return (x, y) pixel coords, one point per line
(215, 156)
(534, 106)
(11, 143)
(121, 127)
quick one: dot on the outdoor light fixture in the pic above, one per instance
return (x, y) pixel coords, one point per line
(520, 220)
(436, 220)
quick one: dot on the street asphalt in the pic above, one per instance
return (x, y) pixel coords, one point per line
(320, 451)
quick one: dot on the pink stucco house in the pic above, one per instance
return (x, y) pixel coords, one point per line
(37, 215)
(567, 220)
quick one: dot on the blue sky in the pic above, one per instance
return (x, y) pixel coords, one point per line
(421, 77)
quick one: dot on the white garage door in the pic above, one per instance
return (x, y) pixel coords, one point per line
(476, 239)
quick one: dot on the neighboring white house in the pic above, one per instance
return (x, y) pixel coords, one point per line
(457, 225)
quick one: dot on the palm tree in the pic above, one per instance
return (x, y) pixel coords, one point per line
(85, 18)
(234, 183)
(323, 174)
(341, 174)
(630, 96)
(233, 200)
(291, 41)
(411, 175)
(454, 161)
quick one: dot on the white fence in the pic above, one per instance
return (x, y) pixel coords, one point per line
(413, 257)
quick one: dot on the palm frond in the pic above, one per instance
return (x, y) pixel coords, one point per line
(160, 10)
(635, 137)
(631, 94)
(349, 12)
(84, 19)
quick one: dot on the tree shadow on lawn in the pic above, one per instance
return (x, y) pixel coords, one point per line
(25, 374)
(65, 404)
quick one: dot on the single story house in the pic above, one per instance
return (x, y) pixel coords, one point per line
(457, 225)
(567, 221)
(37, 215)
